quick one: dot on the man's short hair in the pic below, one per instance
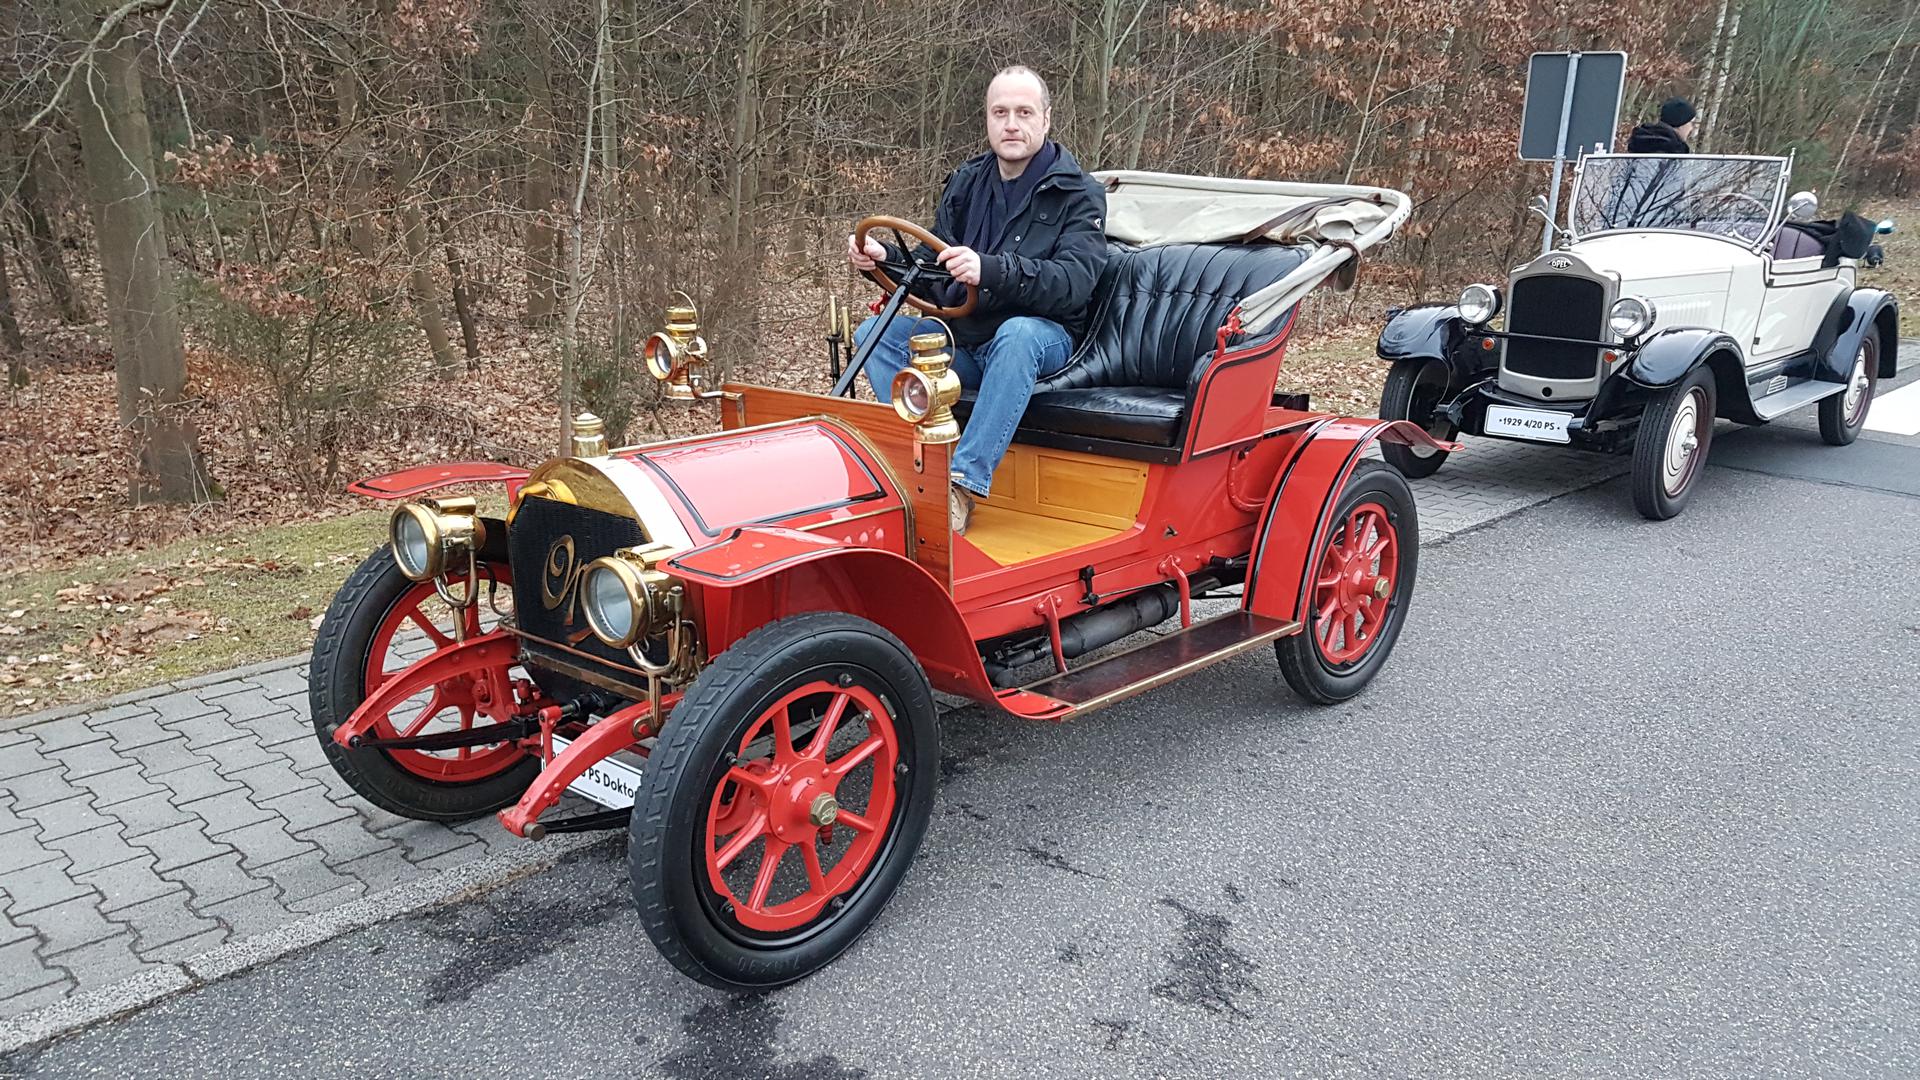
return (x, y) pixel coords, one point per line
(1046, 95)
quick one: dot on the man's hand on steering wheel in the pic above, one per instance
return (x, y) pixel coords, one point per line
(946, 267)
(864, 261)
(963, 263)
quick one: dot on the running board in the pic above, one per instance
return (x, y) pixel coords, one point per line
(1782, 402)
(1159, 661)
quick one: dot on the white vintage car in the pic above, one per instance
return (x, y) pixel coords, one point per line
(1679, 293)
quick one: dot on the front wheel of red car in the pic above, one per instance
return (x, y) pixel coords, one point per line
(378, 622)
(784, 801)
(1359, 584)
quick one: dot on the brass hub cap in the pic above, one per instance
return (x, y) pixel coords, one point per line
(823, 810)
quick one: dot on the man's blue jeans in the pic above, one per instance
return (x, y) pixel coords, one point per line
(1023, 351)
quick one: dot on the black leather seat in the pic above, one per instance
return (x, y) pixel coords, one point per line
(1157, 310)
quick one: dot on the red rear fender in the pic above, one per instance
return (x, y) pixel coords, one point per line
(1303, 495)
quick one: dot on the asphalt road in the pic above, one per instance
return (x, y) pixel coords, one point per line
(1632, 799)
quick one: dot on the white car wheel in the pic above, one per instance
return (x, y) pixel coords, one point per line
(1683, 443)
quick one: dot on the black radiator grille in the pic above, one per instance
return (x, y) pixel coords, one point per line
(1567, 307)
(549, 545)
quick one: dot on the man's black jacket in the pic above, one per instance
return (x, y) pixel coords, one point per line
(1054, 248)
(1656, 138)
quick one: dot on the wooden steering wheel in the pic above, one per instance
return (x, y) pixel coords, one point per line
(888, 273)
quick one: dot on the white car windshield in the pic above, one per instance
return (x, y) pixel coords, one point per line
(1726, 196)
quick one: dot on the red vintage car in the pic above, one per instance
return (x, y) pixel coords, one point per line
(731, 641)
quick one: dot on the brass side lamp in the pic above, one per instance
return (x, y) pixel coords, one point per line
(674, 355)
(924, 393)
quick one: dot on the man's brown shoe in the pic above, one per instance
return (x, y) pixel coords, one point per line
(959, 508)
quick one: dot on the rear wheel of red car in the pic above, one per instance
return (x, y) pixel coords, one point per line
(1413, 391)
(1670, 450)
(1359, 584)
(378, 622)
(1844, 414)
(784, 801)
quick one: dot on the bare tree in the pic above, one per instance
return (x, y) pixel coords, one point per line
(148, 357)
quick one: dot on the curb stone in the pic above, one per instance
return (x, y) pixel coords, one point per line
(61, 712)
(85, 1009)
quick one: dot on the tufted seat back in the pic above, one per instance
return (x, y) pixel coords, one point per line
(1158, 310)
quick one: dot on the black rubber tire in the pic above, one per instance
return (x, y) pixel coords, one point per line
(1309, 673)
(1412, 391)
(1650, 495)
(665, 860)
(336, 685)
(1834, 428)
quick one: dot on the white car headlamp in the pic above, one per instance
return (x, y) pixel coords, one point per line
(1630, 317)
(1479, 304)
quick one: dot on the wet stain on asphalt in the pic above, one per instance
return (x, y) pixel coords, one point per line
(1069, 953)
(967, 809)
(735, 1038)
(954, 763)
(490, 940)
(1234, 894)
(1116, 1031)
(1056, 860)
(1207, 970)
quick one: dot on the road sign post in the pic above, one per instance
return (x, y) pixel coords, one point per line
(1572, 103)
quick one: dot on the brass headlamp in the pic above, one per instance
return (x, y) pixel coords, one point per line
(433, 536)
(673, 355)
(924, 393)
(626, 597)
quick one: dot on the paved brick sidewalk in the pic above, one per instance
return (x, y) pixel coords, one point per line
(137, 837)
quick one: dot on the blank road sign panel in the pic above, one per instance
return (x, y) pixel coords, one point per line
(1595, 113)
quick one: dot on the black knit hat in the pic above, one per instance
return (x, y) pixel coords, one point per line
(1675, 111)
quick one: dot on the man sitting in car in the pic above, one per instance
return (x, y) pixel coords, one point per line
(1027, 227)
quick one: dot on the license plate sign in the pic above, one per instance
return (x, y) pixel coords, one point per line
(610, 782)
(1539, 425)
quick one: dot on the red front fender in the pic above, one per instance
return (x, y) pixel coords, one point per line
(479, 657)
(421, 479)
(1303, 495)
(760, 574)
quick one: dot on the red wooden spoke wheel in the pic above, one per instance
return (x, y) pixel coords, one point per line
(784, 802)
(1354, 586)
(452, 705)
(1354, 598)
(378, 622)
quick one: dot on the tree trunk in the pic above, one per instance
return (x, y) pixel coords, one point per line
(45, 246)
(149, 361)
(542, 239)
(463, 304)
(426, 295)
(746, 125)
(353, 155)
(1709, 128)
(10, 327)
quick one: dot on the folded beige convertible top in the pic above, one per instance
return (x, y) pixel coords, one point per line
(1340, 220)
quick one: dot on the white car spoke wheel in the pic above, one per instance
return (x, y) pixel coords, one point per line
(1843, 415)
(1670, 449)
